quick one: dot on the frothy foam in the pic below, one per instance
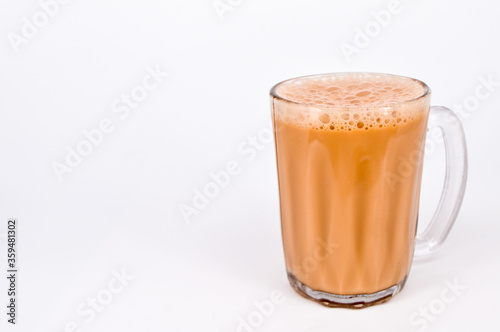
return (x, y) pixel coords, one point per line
(350, 101)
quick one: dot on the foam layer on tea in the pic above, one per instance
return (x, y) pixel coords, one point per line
(351, 101)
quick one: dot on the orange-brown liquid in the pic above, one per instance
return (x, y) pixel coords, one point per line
(349, 179)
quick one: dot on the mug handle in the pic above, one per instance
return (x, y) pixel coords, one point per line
(454, 182)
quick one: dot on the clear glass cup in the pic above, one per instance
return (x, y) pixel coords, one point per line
(349, 183)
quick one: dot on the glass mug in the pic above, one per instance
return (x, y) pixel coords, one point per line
(349, 151)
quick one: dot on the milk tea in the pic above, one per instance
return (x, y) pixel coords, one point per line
(349, 154)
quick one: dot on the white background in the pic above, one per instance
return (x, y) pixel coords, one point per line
(119, 209)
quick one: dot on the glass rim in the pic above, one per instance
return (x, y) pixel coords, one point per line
(274, 94)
